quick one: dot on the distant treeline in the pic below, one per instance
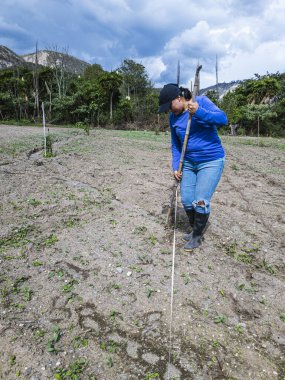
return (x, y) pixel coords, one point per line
(257, 105)
(98, 98)
(126, 99)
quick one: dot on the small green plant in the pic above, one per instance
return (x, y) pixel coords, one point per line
(110, 362)
(40, 333)
(79, 342)
(239, 328)
(205, 312)
(18, 283)
(114, 315)
(231, 249)
(222, 292)
(17, 239)
(34, 202)
(27, 294)
(73, 371)
(149, 292)
(136, 321)
(136, 268)
(51, 240)
(140, 230)
(244, 258)
(12, 360)
(145, 259)
(59, 273)
(84, 126)
(263, 300)
(241, 286)
(55, 338)
(269, 268)
(5, 296)
(69, 286)
(254, 247)
(186, 278)
(220, 319)
(49, 149)
(215, 343)
(37, 263)
(70, 223)
(110, 346)
(115, 286)
(234, 167)
(282, 317)
(19, 306)
(152, 239)
(151, 375)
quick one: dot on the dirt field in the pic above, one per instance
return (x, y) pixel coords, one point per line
(86, 262)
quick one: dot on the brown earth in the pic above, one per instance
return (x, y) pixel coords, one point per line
(86, 262)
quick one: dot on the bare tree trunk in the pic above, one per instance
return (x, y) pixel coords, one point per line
(58, 62)
(111, 105)
(258, 130)
(49, 92)
(36, 85)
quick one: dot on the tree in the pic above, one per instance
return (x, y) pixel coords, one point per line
(57, 60)
(213, 95)
(135, 78)
(258, 90)
(110, 83)
(257, 112)
(92, 72)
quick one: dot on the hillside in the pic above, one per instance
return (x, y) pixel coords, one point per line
(51, 58)
(9, 59)
(223, 88)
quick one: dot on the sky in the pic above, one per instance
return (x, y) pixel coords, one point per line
(246, 36)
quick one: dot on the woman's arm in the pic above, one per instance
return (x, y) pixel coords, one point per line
(210, 113)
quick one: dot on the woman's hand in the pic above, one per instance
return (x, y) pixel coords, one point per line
(192, 107)
(177, 175)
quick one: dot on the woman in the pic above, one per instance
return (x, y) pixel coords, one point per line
(204, 156)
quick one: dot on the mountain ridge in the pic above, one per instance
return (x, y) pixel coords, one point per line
(47, 58)
(51, 58)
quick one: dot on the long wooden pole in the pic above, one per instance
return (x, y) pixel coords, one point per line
(44, 127)
(194, 94)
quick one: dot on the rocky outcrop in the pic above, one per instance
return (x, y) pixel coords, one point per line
(9, 59)
(55, 59)
(223, 88)
(48, 58)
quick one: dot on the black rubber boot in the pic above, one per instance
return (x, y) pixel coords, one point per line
(200, 222)
(191, 216)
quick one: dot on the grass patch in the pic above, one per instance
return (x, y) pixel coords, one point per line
(242, 254)
(17, 239)
(73, 371)
(262, 142)
(140, 135)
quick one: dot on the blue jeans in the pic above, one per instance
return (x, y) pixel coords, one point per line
(198, 183)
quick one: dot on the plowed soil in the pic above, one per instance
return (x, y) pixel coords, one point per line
(86, 261)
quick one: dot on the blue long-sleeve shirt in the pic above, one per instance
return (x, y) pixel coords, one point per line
(204, 143)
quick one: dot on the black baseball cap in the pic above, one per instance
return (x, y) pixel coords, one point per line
(169, 92)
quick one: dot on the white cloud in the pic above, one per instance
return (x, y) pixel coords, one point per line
(157, 33)
(154, 66)
(268, 56)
